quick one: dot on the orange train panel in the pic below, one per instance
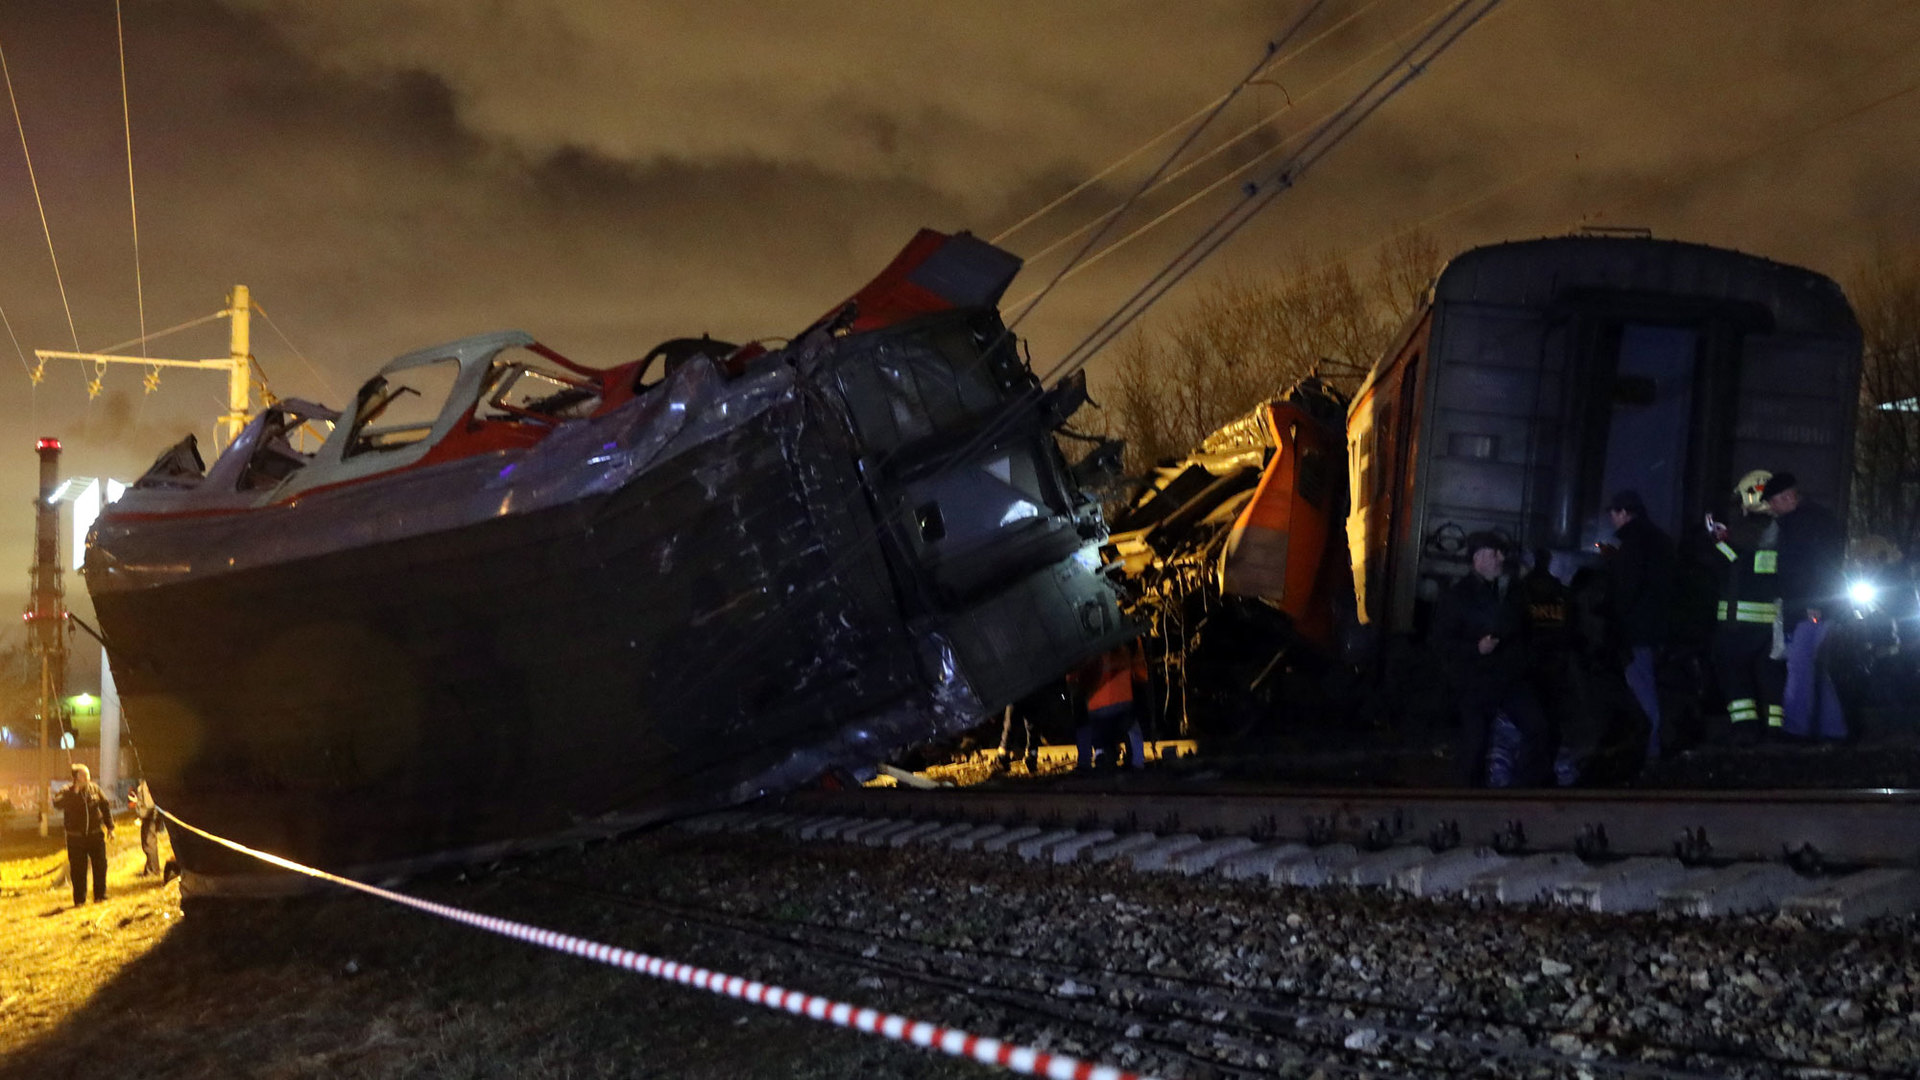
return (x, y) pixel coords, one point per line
(1279, 545)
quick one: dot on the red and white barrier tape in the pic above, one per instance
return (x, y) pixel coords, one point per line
(953, 1041)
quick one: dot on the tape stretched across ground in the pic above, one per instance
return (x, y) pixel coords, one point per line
(1020, 1059)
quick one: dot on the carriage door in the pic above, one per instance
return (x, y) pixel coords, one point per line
(1649, 428)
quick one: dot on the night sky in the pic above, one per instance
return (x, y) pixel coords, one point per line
(387, 174)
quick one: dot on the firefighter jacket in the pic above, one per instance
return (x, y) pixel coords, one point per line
(1473, 608)
(1746, 563)
(1812, 561)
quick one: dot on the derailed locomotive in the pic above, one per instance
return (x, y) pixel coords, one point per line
(511, 598)
(1537, 377)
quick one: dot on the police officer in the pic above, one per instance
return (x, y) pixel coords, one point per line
(1812, 559)
(1745, 557)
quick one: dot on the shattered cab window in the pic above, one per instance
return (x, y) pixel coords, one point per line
(526, 387)
(399, 409)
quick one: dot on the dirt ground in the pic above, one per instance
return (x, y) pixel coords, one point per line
(59, 956)
(339, 985)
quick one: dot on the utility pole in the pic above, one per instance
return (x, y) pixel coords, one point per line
(47, 618)
(238, 363)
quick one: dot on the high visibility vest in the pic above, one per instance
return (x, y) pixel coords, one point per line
(1752, 593)
(1114, 685)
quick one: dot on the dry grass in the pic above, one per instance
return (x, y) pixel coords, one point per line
(59, 956)
(337, 985)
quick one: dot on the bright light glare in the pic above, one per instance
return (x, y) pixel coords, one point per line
(1863, 592)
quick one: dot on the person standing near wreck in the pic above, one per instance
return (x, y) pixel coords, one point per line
(1482, 631)
(1639, 595)
(151, 826)
(1109, 686)
(89, 821)
(1811, 558)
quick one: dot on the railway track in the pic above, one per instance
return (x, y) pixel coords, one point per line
(1222, 995)
(1212, 1027)
(1836, 858)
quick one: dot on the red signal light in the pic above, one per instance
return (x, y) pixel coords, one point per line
(47, 444)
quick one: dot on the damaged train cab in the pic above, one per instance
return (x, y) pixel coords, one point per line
(507, 596)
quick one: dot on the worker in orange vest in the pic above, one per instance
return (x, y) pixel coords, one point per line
(1108, 683)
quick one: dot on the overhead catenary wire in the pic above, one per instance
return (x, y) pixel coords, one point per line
(996, 426)
(133, 204)
(1257, 196)
(1014, 411)
(1231, 141)
(6, 73)
(33, 384)
(1146, 184)
(325, 384)
(1175, 128)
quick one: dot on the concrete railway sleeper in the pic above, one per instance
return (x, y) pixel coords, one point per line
(1509, 866)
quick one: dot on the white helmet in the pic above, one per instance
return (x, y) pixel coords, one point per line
(1752, 491)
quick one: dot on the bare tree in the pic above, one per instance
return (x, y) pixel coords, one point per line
(1245, 339)
(1886, 488)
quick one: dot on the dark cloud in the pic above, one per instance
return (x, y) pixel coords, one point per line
(389, 173)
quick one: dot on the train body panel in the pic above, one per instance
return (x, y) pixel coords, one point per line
(1279, 546)
(1543, 375)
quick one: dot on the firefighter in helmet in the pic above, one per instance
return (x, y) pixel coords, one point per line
(1743, 632)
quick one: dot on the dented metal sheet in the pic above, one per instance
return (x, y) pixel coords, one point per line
(572, 595)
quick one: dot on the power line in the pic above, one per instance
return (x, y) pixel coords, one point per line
(1257, 196)
(7, 74)
(1245, 133)
(1147, 184)
(133, 205)
(1171, 130)
(324, 383)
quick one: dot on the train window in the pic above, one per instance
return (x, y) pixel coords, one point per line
(1316, 486)
(1462, 444)
(1383, 447)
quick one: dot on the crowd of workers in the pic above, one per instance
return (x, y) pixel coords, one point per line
(1529, 657)
(1561, 682)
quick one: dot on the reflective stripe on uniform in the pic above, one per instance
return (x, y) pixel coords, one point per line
(1750, 611)
(1766, 562)
(1743, 710)
(1776, 716)
(1727, 549)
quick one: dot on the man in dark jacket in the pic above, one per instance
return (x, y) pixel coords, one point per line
(1481, 632)
(1640, 595)
(1812, 552)
(89, 821)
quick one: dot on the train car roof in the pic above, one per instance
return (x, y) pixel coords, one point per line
(1551, 270)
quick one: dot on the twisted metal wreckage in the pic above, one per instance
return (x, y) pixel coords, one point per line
(510, 598)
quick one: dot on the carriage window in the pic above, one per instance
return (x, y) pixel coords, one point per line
(523, 386)
(399, 410)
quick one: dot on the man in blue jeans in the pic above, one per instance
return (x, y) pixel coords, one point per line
(1639, 594)
(1812, 556)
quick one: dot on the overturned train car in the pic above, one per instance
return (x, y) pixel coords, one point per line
(1543, 375)
(510, 597)
(1538, 377)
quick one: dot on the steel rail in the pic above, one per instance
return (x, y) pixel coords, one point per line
(1879, 827)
